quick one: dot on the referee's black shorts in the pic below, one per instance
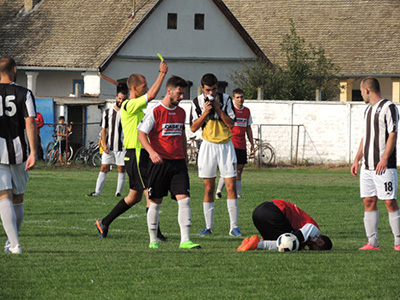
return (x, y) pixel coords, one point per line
(241, 156)
(270, 221)
(171, 175)
(136, 165)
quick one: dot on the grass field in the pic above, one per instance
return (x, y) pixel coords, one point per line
(63, 258)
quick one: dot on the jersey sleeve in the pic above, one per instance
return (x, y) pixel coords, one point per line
(104, 119)
(250, 121)
(230, 110)
(310, 232)
(193, 114)
(30, 106)
(392, 118)
(148, 122)
(133, 105)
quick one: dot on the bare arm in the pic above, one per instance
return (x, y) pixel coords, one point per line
(184, 143)
(390, 145)
(155, 158)
(359, 155)
(31, 130)
(249, 133)
(153, 91)
(200, 121)
(104, 140)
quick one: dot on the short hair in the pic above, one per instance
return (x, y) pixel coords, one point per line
(122, 88)
(238, 91)
(175, 81)
(209, 79)
(134, 79)
(61, 118)
(371, 83)
(327, 243)
(7, 65)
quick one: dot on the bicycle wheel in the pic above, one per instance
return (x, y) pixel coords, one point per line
(81, 156)
(96, 158)
(71, 155)
(191, 153)
(51, 154)
(267, 154)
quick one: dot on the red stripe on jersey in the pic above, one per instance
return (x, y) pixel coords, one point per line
(239, 130)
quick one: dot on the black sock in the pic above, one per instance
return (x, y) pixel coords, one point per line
(118, 210)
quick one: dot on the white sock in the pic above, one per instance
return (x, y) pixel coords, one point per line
(267, 245)
(221, 184)
(19, 214)
(152, 220)
(233, 210)
(371, 221)
(208, 209)
(9, 221)
(239, 187)
(120, 183)
(394, 220)
(101, 179)
(184, 218)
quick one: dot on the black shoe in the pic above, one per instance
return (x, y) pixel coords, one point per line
(102, 229)
(92, 194)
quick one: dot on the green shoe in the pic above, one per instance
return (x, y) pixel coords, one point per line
(189, 245)
(153, 245)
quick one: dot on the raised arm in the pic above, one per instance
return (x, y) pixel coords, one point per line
(153, 91)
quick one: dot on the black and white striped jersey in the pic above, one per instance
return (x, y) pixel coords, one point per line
(16, 104)
(380, 120)
(112, 122)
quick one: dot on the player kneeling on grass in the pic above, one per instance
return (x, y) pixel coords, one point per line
(273, 218)
(164, 124)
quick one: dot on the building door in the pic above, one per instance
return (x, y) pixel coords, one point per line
(77, 114)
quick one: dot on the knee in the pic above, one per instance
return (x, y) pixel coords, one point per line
(370, 203)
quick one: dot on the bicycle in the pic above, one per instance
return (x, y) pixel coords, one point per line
(52, 149)
(89, 155)
(193, 147)
(267, 152)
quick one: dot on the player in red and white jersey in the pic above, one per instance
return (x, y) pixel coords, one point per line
(239, 131)
(17, 122)
(273, 218)
(165, 142)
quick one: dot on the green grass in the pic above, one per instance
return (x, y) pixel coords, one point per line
(63, 258)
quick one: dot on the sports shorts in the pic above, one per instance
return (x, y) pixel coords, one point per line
(171, 175)
(241, 156)
(62, 146)
(213, 156)
(13, 177)
(383, 186)
(113, 158)
(136, 166)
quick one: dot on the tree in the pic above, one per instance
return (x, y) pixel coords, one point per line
(306, 69)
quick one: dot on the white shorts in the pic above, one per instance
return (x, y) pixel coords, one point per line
(13, 177)
(213, 155)
(113, 158)
(383, 186)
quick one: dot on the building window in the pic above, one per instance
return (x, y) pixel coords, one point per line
(199, 21)
(77, 87)
(172, 21)
(222, 86)
(187, 92)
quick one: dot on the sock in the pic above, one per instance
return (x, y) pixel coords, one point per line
(152, 220)
(120, 183)
(184, 218)
(9, 221)
(239, 187)
(267, 245)
(233, 210)
(221, 184)
(159, 234)
(208, 209)
(101, 179)
(371, 221)
(19, 214)
(118, 210)
(394, 220)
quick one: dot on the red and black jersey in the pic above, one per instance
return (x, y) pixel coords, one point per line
(243, 119)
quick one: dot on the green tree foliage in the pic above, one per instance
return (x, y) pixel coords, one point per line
(306, 69)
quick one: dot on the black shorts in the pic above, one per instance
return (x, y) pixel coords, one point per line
(172, 175)
(241, 155)
(62, 146)
(138, 173)
(270, 221)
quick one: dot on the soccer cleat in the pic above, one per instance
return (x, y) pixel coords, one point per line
(205, 231)
(368, 246)
(218, 195)
(153, 245)
(239, 196)
(16, 250)
(161, 237)
(189, 245)
(397, 247)
(245, 241)
(102, 229)
(7, 245)
(235, 232)
(92, 194)
(250, 245)
(118, 195)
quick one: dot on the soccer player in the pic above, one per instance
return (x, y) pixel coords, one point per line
(214, 112)
(378, 178)
(136, 158)
(239, 131)
(273, 218)
(113, 150)
(17, 121)
(166, 144)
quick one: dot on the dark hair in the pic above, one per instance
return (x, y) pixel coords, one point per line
(61, 118)
(7, 65)
(175, 81)
(238, 91)
(372, 83)
(209, 79)
(327, 243)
